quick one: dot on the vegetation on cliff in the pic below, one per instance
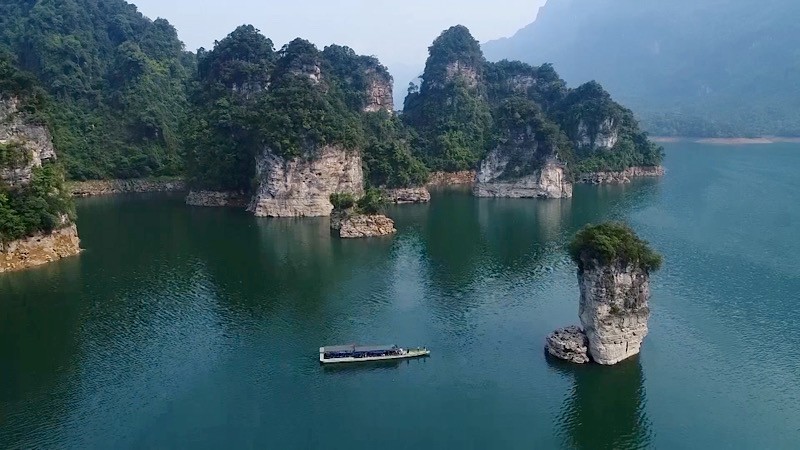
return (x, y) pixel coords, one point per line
(467, 106)
(117, 82)
(372, 202)
(612, 243)
(450, 110)
(251, 98)
(43, 204)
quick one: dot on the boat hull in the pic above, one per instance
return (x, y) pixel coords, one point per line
(410, 355)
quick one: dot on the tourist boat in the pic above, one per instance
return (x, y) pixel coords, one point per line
(355, 353)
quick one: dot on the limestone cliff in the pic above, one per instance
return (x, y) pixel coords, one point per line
(614, 310)
(380, 95)
(350, 225)
(39, 249)
(549, 181)
(24, 146)
(603, 136)
(27, 144)
(301, 187)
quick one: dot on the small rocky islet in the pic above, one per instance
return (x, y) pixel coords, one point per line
(614, 267)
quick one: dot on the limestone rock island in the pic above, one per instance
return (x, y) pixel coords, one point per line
(362, 218)
(614, 267)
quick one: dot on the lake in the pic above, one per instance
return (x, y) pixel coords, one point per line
(199, 328)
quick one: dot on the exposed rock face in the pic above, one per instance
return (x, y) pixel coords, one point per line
(569, 344)
(605, 136)
(452, 178)
(549, 181)
(34, 142)
(407, 195)
(39, 249)
(621, 177)
(111, 187)
(349, 226)
(216, 199)
(465, 72)
(614, 309)
(301, 187)
(380, 96)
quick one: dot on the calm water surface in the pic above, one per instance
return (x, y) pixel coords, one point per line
(197, 328)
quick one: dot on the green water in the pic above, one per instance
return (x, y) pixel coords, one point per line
(199, 328)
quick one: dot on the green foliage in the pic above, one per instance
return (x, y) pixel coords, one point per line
(342, 201)
(389, 161)
(451, 113)
(353, 74)
(372, 202)
(14, 155)
(527, 137)
(612, 243)
(41, 204)
(38, 206)
(117, 80)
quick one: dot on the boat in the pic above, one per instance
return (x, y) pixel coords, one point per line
(355, 353)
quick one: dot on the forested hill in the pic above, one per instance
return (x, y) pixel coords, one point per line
(686, 67)
(117, 82)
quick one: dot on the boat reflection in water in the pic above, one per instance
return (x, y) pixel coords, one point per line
(340, 354)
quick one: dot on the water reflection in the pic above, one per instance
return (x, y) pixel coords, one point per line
(606, 407)
(38, 317)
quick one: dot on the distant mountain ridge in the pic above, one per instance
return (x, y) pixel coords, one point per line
(712, 68)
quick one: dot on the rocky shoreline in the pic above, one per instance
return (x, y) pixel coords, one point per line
(217, 199)
(452, 178)
(39, 249)
(622, 177)
(348, 225)
(95, 188)
(404, 196)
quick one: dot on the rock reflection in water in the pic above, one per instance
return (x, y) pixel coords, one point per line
(605, 408)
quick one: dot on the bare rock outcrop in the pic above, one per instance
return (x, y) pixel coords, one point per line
(379, 91)
(349, 225)
(301, 187)
(569, 344)
(604, 135)
(452, 178)
(614, 310)
(39, 249)
(217, 199)
(403, 196)
(548, 181)
(94, 188)
(25, 145)
(622, 177)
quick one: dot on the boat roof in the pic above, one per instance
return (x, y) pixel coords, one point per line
(357, 348)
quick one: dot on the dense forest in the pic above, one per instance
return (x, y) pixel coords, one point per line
(117, 79)
(714, 68)
(42, 204)
(127, 101)
(466, 106)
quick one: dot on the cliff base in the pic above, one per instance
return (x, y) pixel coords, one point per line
(39, 249)
(350, 226)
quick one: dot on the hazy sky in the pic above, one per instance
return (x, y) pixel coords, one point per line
(398, 32)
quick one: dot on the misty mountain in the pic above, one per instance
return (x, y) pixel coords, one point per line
(686, 67)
